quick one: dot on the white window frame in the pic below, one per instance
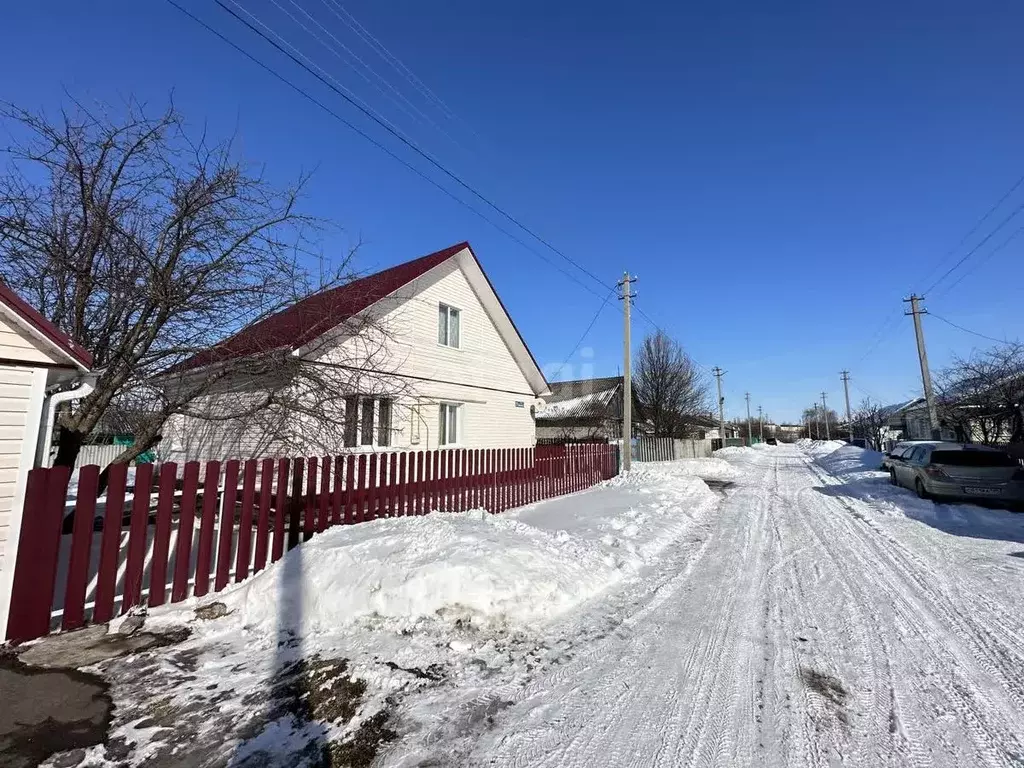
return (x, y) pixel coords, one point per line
(448, 309)
(447, 407)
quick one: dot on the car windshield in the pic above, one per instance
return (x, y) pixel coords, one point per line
(974, 459)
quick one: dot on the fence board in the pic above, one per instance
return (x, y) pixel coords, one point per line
(338, 495)
(372, 481)
(38, 550)
(243, 548)
(162, 536)
(309, 499)
(259, 560)
(362, 495)
(137, 534)
(81, 545)
(280, 510)
(350, 490)
(325, 495)
(110, 544)
(227, 525)
(295, 505)
(186, 528)
(204, 560)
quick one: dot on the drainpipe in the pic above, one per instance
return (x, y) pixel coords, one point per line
(84, 389)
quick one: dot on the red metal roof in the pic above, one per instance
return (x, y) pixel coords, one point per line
(310, 318)
(52, 333)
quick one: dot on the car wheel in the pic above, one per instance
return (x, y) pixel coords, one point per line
(921, 492)
(892, 477)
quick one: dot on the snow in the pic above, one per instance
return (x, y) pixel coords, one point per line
(733, 450)
(575, 405)
(473, 593)
(806, 614)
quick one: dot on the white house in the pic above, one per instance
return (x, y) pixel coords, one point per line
(435, 361)
(35, 359)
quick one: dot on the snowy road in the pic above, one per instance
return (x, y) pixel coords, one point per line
(805, 623)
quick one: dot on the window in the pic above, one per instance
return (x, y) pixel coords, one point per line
(414, 425)
(384, 423)
(448, 325)
(360, 413)
(448, 424)
(351, 420)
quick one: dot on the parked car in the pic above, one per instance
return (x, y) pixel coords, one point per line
(901, 451)
(962, 472)
(772, 441)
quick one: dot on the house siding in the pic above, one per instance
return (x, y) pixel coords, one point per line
(481, 375)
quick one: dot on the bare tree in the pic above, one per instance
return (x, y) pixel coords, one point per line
(669, 389)
(822, 422)
(981, 397)
(146, 244)
(869, 421)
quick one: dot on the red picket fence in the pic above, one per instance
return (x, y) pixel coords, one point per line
(165, 535)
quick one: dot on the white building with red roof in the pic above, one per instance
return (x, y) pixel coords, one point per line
(447, 368)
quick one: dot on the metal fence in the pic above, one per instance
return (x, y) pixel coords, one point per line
(669, 449)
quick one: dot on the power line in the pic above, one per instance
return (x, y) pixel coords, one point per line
(312, 99)
(976, 227)
(583, 337)
(411, 145)
(967, 330)
(976, 248)
(977, 264)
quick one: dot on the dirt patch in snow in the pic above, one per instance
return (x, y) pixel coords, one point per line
(830, 689)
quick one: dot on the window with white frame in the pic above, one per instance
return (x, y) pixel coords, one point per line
(367, 418)
(448, 322)
(448, 424)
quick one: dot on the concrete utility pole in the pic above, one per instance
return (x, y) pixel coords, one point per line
(845, 376)
(719, 373)
(760, 418)
(824, 412)
(627, 374)
(922, 356)
(750, 429)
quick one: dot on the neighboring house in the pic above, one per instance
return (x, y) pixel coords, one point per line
(450, 368)
(35, 358)
(790, 433)
(909, 421)
(580, 410)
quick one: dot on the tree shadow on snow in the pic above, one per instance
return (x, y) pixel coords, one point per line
(957, 519)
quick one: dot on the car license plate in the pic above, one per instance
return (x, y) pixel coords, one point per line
(982, 491)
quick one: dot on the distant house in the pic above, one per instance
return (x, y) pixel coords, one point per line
(36, 360)
(452, 371)
(581, 410)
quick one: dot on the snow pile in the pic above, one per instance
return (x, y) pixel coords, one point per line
(410, 568)
(522, 567)
(718, 470)
(819, 448)
(734, 450)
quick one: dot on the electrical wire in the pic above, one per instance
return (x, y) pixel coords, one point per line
(975, 249)
(356, 129)
(977, 226)
(411, 145)
(967, 330)
(977, 264)
(583, 338)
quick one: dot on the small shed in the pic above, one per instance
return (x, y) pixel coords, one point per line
(36, 358)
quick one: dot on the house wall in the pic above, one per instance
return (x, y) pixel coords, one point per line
(400, 356)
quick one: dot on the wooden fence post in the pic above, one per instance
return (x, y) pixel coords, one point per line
(227, 525)
(81, 545)
(162, 533)
(110, 544)
(245, 521)
(280, 510)
(137, 537)
(263, 520)
(186, 529)
(36, 558)
(211, 497)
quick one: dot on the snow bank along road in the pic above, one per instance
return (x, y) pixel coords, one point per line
(819, 619)
(808, 614)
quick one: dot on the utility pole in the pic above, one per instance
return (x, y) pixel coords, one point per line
(760, 418)
(824, 412)
(750, 429)
(627, 374)
(922, 355)
(845, 376)
(719, 373)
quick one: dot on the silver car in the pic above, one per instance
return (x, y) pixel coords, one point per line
(900, 452)
(964, 472)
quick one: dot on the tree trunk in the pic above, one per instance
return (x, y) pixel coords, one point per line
(69, 445)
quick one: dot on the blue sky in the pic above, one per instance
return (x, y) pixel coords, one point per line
(778, 178)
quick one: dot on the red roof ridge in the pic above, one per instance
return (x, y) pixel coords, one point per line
(316, 314)
(52, 333)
